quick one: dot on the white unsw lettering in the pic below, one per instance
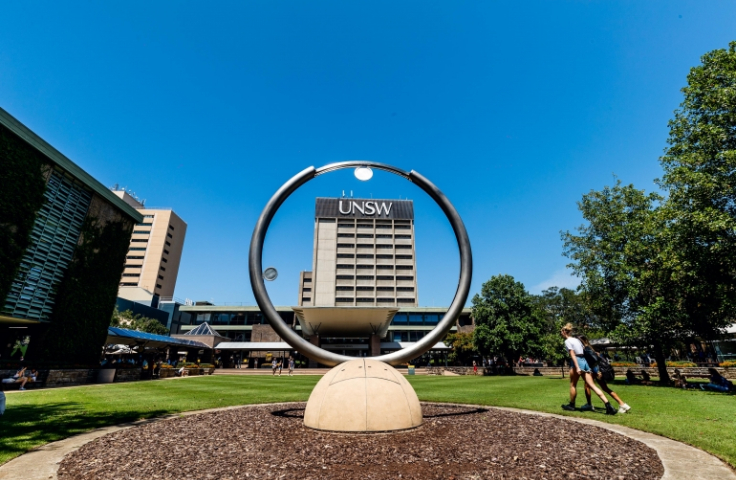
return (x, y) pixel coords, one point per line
(340, 207)
(383, 207)
(367, 208)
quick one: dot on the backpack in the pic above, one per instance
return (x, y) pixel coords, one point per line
(607, 371)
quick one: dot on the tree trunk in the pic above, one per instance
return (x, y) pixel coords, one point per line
(659, 357)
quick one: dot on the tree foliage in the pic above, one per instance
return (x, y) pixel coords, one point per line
(463, 348)
(506, 320)
(127, 319)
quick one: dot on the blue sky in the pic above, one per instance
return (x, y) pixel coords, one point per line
(514, 109)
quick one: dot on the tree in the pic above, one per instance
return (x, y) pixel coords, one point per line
(506, 321)
(621, 256)
(463, 348)
(127, 319)
(700, 178)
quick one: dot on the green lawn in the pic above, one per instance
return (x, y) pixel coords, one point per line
(706, 420)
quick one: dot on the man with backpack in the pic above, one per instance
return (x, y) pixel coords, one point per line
(602, 373)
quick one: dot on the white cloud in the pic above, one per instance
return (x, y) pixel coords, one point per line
(561, 279)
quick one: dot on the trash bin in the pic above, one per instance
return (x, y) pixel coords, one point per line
(411, 369)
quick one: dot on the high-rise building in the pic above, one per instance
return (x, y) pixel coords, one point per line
(363, 254)
(152, 263)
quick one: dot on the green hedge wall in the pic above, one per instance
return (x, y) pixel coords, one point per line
(22, 185)
(86, 297)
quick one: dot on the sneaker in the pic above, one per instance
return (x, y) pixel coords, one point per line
(21, 388)
(569, 407)
(587, 408)
(610, 410)
(623, 408)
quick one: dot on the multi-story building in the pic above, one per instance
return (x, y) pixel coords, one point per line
(363, 255)
(64, 238)
(152, 263)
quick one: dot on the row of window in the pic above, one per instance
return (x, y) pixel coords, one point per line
(370, 235)
(368, 225)
(380, 245)
(371, 300)
(377, 267)
(256, 318)
(370, 255)
(370, 288)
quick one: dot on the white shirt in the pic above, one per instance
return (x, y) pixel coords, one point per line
(575, 345)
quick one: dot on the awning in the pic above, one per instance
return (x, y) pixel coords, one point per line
(257, 346)
(439, 346)
(123, 336)
(345, 321)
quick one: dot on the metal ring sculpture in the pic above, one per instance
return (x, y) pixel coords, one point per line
(323, 356)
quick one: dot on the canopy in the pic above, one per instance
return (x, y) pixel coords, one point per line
(204, 329)
(256, 346)
(123, 336)
(399, 345)
(345, 321)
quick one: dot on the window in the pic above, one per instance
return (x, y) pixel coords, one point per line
(384, 246)
(365, 235)
(405, 300)
(365, 255)
(166, 251)
(306, 299)
(128, 284)
(345, 245)
(171, 227)
(365, 225)
(134, 257)
(343, 300)
(386, 256)
(306, 289)
(385, 289)
(344, 288)
(345, 267)
(131, 274)
(365, 267)
(158, 286)
(162, 268)
(385, 300)
(148, 216)
(344, 277)
(169, 235)
(402, 227)
(385, 277)
(383, 235)
(365, 288)
(405, 289)
(365, 277)
(403, 257)
(403, 246)
(161, 277)
(164, 260)
(404, 267)
(346, 235)
(139, 240)
(364, 300)
(345, 255)
(383, 226)
(385, 267)
(168, 244)
(404, 277)
(141, 231)
(140, 249)
(402, 237)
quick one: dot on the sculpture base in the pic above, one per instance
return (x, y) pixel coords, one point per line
(363, 395)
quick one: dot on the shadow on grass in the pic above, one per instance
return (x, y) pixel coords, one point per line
(24, 427)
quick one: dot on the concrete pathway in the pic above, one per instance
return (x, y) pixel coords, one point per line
(681, 461)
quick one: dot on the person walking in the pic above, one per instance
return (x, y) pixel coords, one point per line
(274, 365)
(281, 365)
(623, 407)
(475, 368)
(579, 368)
(291, 366)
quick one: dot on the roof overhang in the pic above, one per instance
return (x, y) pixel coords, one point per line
(345, 321)
(256, 346)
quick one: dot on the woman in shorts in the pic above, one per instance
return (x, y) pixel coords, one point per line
(579, 368)
(598, 377)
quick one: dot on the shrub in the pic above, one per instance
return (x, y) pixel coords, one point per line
(729, 363)
(624, 364)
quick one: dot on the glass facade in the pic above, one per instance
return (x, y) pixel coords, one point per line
(53, 239)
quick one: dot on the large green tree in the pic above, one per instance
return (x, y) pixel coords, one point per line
(621, 255)
(127, 319)
(700, 179)
(506, 320)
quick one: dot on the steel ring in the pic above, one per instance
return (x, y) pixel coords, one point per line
(255, 266)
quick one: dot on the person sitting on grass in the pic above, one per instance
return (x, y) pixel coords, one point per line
(646, 378)
(631, 378)
(717, 382)
(579, 368)
(681, 380)
(598, 377)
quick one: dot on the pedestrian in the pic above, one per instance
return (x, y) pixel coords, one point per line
(475, 368)
(2, 400)
(623, 407)
(281, 365)
(579, 368)
(291, 366)
(274, 365)
(238, 360)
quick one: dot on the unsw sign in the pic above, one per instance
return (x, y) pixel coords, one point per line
(364, 208)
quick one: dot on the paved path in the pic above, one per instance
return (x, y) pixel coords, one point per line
(681, 461)
(297, 371)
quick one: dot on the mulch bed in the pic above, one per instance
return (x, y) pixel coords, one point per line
(270, 442)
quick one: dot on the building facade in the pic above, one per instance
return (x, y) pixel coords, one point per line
(154, 255)
(63, 239)
(363, 254)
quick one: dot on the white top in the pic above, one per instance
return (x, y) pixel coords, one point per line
(575, 345)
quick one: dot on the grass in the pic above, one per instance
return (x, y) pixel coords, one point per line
(705, 420)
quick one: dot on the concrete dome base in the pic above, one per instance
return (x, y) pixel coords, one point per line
(363, 395)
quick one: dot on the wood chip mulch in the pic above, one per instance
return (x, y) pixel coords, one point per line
(270, 442)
